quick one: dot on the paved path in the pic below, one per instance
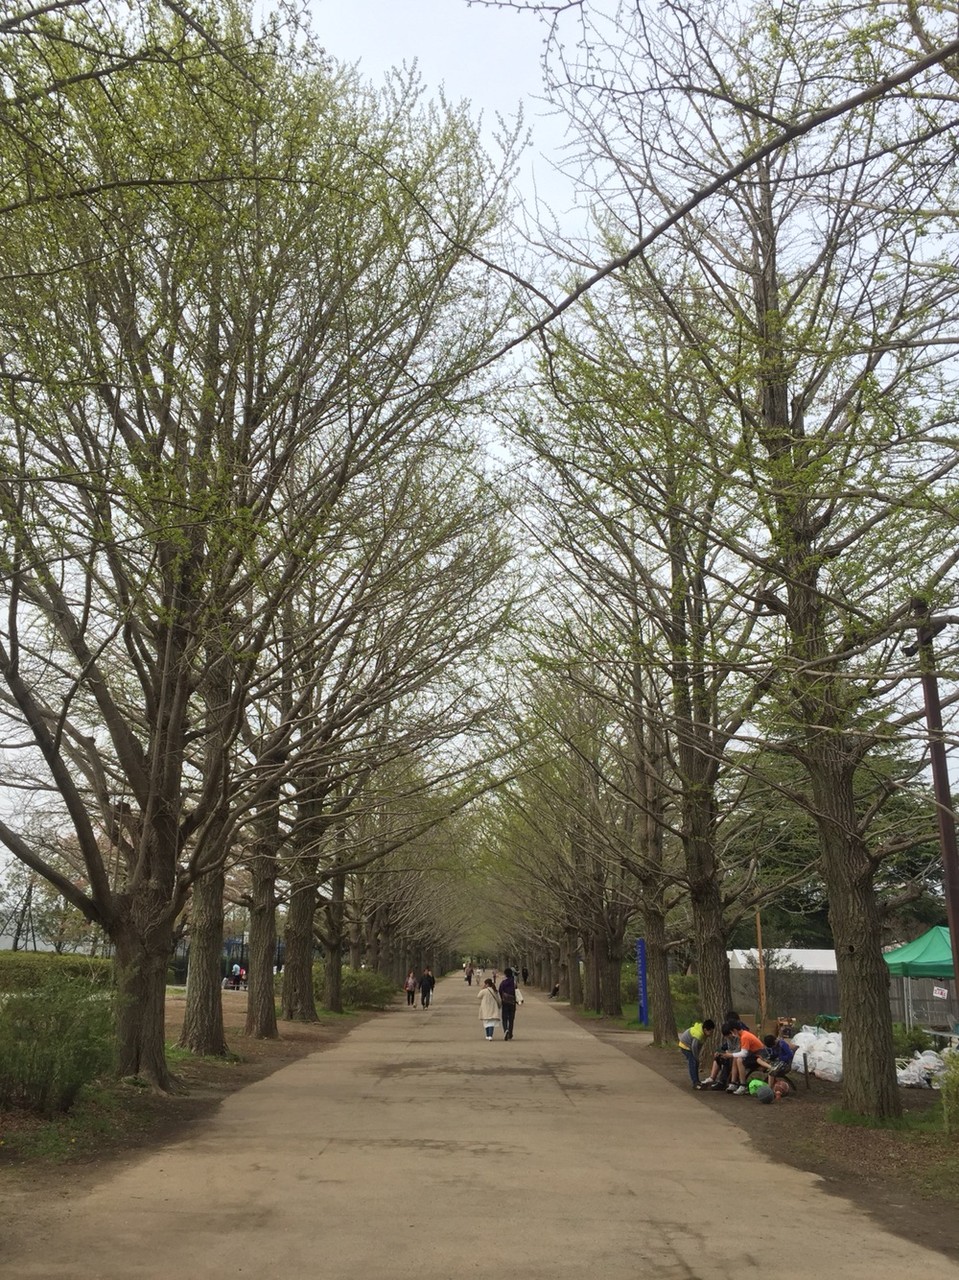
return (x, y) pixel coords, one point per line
(413, 1149)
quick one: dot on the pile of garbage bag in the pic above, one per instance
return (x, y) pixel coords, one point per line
(819, 1052)
(922, 1070)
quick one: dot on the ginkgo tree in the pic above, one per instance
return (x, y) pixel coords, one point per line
(821, 327)
(235, 279)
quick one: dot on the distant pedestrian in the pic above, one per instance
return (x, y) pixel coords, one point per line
(235, 972)
(525, 973)
(469, 975)
(509, 998)
(409, 986)
(489, 1010)
(426, 984)
(691, 1043)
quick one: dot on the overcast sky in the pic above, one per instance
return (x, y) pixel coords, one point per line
(489, 56)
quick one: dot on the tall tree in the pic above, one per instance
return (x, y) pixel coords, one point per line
(262, 291)
(830, 270)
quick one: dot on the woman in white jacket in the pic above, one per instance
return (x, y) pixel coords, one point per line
(489, 1007)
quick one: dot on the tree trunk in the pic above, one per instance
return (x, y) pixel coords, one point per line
(657, 977)
(611, 971)
(333, 943)
(261, 999)
(202, 1031)
(574, 987)
(357, 948)
(299, 1003)
(592, 994)
(141, 966)
(869, 1086)
(376, 950)
(333, 980)
(709, 927)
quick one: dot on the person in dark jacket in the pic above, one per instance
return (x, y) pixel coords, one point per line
(509, 998)
(427, 983)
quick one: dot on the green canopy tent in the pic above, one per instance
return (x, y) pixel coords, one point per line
(929, 956)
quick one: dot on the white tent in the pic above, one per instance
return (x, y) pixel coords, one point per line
(810, 961)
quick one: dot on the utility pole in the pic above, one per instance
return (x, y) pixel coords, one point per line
(927, 629)
(761, 970)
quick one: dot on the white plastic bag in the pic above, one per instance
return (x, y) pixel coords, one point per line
(911, 1076)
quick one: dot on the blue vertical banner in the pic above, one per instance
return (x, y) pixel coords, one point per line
(641, 973)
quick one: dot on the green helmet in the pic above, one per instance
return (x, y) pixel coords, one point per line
(761, 1090)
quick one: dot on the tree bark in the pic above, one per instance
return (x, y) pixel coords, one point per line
(333, 943)
(611, 971)
(592, 992)
(357, 947)
(869, 1085)
(261, 998)
(141, 966)
(333, 981)
(299, 1002)
(574, 979)
(663, 1018)
(202, 1031)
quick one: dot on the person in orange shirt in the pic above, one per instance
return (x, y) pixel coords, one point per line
(745, 1059)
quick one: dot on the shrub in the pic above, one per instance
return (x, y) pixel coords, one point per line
(26, 970)
(909, 1040)
(949, 1092)
(54, 1039)
(684, 988)
(367, 989)
(360, 989)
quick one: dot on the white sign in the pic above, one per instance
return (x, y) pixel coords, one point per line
(941, 993)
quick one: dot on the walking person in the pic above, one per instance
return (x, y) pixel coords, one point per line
(489, 1009)
(426, 984)
(409, 986)
(469, 975)
(510, 996)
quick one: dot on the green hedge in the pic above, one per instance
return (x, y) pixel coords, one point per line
(367, 989)
(25, 970)
(362, 988)
(54, 1039)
